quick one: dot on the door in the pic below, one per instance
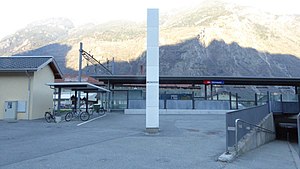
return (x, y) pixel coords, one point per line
(10, 112)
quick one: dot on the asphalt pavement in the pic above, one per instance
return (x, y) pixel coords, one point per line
(118, 141)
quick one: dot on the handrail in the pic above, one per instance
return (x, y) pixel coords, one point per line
(266, 130)
(251, 124)
(298, 130)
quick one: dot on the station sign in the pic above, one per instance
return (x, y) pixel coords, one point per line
(216, 82)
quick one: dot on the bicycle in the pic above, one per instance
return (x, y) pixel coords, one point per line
(97, 109)
(100, 111)
(49, 117)
(84, 116)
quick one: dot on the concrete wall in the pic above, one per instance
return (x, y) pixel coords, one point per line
(256, 137)
(183, 104)
(42, 95)
(179, 104)
(14, 87)
(212, 105)
(178, 111)
(253, 115)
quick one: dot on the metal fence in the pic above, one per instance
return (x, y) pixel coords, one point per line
(252, 115)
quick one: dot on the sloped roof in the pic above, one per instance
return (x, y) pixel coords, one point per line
(29, 63)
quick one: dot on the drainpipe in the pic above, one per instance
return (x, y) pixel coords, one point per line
(28, 93)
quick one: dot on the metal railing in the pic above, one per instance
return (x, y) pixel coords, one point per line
(253, 115)
(298, 129)
(262, 129)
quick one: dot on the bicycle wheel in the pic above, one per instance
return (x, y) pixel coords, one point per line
(84, 116)
(101, 112)
(69, 116)
(48, 117)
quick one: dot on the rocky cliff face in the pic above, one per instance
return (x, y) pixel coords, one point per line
(213, 39)
(191, 58)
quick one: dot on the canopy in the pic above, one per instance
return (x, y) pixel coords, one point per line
(79, 86)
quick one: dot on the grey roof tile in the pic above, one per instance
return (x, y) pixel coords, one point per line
(22, 63)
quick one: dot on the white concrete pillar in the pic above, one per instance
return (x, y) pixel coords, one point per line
(152, 72)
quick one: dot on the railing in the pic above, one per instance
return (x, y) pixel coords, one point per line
(298, 128)
(250, 124)
(254, 115)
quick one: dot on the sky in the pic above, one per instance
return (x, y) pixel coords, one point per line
(16, 14)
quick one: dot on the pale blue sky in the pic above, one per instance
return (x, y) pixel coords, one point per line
(16, 14)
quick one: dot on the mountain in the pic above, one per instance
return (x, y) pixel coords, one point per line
(216, 38)
(35, 35)
(191, 58)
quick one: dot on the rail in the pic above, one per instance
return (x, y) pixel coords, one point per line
(251, 124)
(298, 129)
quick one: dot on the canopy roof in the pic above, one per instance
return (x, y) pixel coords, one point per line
(226, 80)
(79, 86)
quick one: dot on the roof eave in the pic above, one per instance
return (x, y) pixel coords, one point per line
(19, 70)
(55, 69)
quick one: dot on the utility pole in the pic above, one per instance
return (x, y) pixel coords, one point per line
(79, 74)
(80, 62)
(113, 66)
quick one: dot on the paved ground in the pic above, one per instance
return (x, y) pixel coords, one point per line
(118, 141)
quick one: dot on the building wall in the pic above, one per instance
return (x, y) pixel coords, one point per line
(41, 94)
(14, 87)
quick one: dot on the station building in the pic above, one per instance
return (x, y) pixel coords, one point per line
(23, 86)
(198, 93)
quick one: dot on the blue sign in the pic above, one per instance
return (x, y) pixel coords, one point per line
(217, 82)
